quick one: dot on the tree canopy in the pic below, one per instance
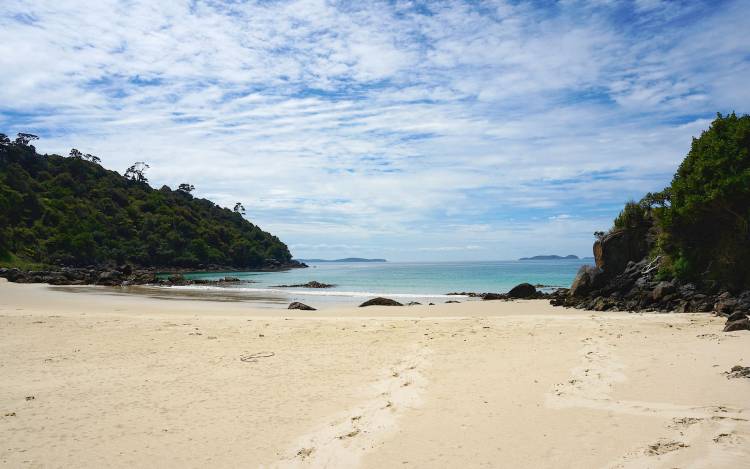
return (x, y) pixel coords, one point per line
(701, 220)
(72, 211)
(705, 229)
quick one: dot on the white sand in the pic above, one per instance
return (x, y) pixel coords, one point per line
(129, 381)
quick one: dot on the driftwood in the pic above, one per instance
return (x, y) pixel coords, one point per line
(253, 357)
(653, 265)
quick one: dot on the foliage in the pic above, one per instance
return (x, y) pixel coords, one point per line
(186, 188)
(72, 211)
(705, 229)
(702, 219)
(137, 172)
(632, 216)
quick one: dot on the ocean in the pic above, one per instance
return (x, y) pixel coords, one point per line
(402, 281)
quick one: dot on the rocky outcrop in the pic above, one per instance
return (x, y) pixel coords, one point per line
(380, 301)
(625, 279)
(614, 251)
(301, 306)
(123, 275)
(313, 284)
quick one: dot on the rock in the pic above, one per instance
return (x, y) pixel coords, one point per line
(109, 278)
(662, 290)
(313, 284)
(601, 304)
(736, 316)
(178, 280)
(230, 279)
(126, 269)
(380, 301)
(413, 303)
(687, 291)
(298, 305)
(725, 305)
(740, 325)
(615, 250)
(739, 371)
(587, 280)
(494, 296)
(452, 301)
(523, 290)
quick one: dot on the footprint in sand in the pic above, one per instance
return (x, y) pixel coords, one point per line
(664, 447)
(344, 438)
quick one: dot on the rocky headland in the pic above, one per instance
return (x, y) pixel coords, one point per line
(626, 278)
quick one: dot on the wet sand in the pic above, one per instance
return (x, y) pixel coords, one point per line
(97, 379)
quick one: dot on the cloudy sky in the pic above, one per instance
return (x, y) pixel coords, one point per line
(436, 130)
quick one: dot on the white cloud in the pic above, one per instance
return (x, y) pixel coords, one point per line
(374, 126)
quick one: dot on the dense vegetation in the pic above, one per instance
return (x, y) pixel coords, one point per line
(72, 211)
(702, 219)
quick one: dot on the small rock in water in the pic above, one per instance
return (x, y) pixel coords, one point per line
(452, 301)
(413, 303)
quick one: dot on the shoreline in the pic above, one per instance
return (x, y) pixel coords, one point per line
(129, 380)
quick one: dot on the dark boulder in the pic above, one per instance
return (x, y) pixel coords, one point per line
(736, 316)
(588, 279)
(302, 306)
(740, 325)
(494, 296)
(523, 290)
(739, 371)
(452, 301)
(380, 301)
(662, 290)
(110, 278)
(615, 250)
(14, 275)
(413, 303)
(725, 305)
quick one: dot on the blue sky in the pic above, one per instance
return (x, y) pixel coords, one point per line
(400, 129)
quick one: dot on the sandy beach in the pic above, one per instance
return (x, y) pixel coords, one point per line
(91, 379)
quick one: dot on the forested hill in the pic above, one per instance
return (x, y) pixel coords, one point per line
(71, 211)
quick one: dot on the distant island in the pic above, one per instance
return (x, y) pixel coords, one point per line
(347, 259)
(552, 257)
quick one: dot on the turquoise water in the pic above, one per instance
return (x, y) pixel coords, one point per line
(405, 280)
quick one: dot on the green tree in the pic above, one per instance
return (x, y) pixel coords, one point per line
(705, 230)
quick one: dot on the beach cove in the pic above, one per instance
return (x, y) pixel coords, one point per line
(94, 379)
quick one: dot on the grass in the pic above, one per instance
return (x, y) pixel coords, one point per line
(11, 261)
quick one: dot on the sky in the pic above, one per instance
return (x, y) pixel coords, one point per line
(409, 130)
